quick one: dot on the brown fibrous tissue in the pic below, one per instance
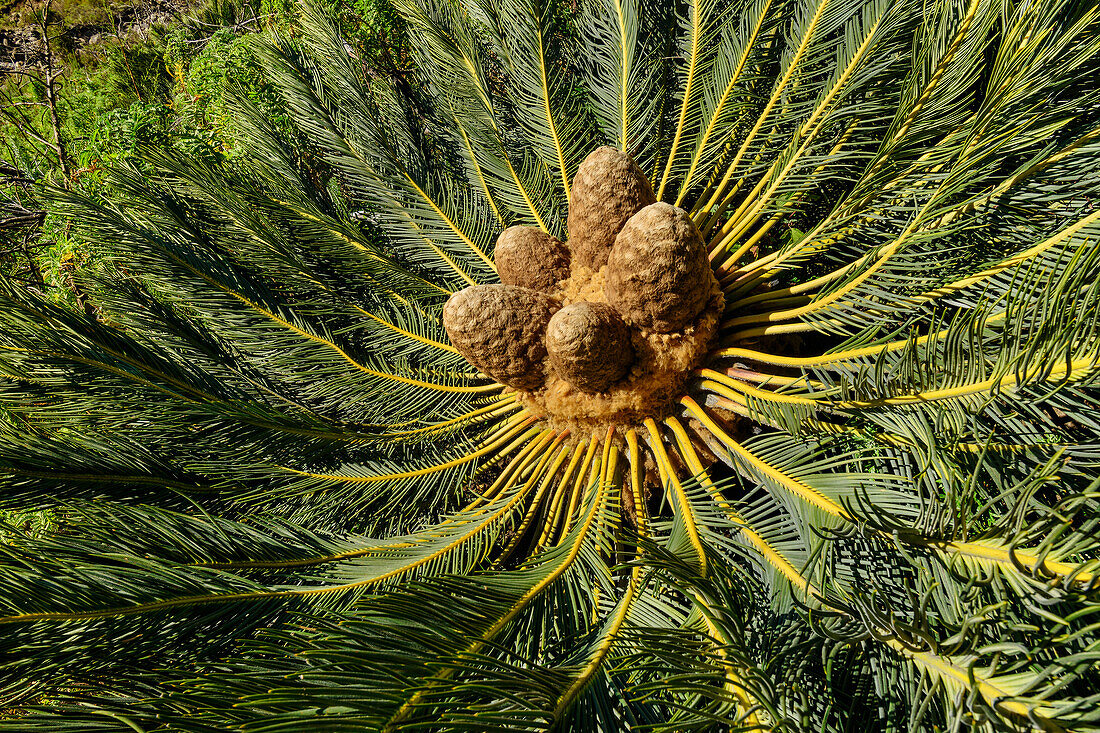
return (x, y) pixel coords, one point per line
(605, 328)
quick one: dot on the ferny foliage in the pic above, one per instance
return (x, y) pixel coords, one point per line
(282, 501)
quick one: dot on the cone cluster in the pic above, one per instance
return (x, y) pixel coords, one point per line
(656, 278)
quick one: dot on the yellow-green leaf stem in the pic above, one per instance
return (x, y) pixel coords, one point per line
(734, 683)
(557, 503)
(470, 68)
(886, 254)
(779, 329)
(599, 653)
(548, 112)
(199, 396)
(454, 228)
(469, 65)
(408, 334)
(720, 243)
(740, 222)
(609, 476)
(1003, 265)
(599, 498)
(777, 94)
(1031, 170)
(637, 473)
(536, 502)
(497, 440)
(1069, 371)
(722, 384)
(766, 552)
(950, 672)
(593, 475)
(693, 62)
(396, 206)
(986, 553)
(727, 93)
(514, 469)
(330, 345)
(680, 499)
(472, 156)
(725, 269)
(932, 295)
(523, 192)
(497, 408)
(791, 484)
(740, 408)
(821, 301)
(982, 551)
(986, 686)
(171, 603)
(624, 79)
(505, 482)
(370, 251)
(1076, 368)
(564, 564)
(752, 274)
(926, 93)
(846, 355)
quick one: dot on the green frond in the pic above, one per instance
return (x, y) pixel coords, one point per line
(625, 60)
(281, 499)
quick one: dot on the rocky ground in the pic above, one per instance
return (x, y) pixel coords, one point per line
(75, 27)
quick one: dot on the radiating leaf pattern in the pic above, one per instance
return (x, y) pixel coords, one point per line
(285, 502)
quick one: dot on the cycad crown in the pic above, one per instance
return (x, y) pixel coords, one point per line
(867, 502)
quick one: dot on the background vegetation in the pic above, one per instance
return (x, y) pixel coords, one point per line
(127, 77)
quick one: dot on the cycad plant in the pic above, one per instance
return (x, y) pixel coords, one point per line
(795, 425)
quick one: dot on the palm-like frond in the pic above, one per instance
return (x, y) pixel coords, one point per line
(882, 481)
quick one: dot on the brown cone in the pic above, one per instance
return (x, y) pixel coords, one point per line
(608, 189)
(500, 330)
(589, 346)
(658, 274)
(528, 257)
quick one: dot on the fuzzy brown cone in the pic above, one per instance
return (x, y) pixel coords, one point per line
(589, 346)
(658, 274)
(500, 330)
(528, 257)
(608, 189)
